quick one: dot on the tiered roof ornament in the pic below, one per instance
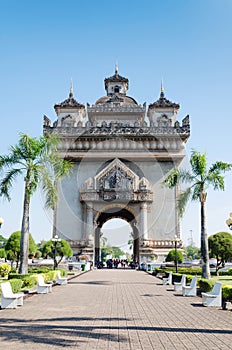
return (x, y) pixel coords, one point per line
(163, 101)
(70, 102)
(70, 112)
(116, 78)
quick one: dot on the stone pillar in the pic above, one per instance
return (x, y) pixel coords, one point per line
(89, 222)
(143, 221)
(97, 244)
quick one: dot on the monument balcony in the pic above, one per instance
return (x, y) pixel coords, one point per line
(116, 196)
(159, 243)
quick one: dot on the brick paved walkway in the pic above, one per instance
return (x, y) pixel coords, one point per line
(116, 310)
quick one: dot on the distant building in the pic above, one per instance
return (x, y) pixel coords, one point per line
(121, 152)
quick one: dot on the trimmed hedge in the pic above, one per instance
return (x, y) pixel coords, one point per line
(41, 269)
(28, 280)
(227, 293)
(176, 277)
(17, 276)
(205, 285)
(181, 270)
(16, 285)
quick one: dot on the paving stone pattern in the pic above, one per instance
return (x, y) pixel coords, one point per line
(115, 310)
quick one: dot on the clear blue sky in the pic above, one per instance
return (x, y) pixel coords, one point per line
(186, 42)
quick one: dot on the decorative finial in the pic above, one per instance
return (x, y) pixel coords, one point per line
(162, 89)
(71, 89)
(116, 69)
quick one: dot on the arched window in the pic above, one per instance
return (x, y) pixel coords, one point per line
(116, 89)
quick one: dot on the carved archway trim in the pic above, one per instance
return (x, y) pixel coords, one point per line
(117, 183)
(116, 205)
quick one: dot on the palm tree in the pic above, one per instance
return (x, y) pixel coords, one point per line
(103, 241)
(37, 160)
(198, 179)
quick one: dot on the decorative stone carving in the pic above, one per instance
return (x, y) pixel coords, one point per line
(185, 121)
(117, 176)
(67, 121)
(46, 121)
(144, 184)
(164, 121)
(116, 182)
(116, 179)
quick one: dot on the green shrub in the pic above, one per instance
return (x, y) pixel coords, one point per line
(4, 270)
(194, 271)
(176, 277)
(49, 276)
(16, 285)
(29, 281)
(227, 293)
(205, 285)
(230, 272)
(41, 269)
(13, 270)
(63, 272)
(17, 276)
(158, 270)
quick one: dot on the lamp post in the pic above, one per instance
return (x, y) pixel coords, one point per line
(55, 240)
(229, 222)
(1, 222)
(176, 240)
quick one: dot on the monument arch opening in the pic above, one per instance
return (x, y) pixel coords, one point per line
(117, 212)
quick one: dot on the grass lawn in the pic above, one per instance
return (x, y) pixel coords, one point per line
(223, 279)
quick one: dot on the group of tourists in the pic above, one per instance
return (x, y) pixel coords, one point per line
(115, 263)
(110, 263)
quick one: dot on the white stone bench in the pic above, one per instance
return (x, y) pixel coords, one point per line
(179, 285)
(61, 280)
(42, 287)
(10, 300)
(168, 280)
(213, 298)
(190, 291)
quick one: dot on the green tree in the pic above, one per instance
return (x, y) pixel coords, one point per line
(3, 241)
(172, 256)
(192, 252)
(220, 247)
(198, 179)
(115, 252)
(62, 249)
(39, 164)
(2, 253)
(13, 247)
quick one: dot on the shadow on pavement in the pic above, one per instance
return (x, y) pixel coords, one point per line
(56, 333)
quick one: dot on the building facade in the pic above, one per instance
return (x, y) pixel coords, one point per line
(121, 153)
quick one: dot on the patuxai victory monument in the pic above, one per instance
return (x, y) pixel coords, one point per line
(121, 152)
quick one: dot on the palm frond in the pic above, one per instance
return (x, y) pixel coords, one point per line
(216, 180)
(198, 163)
(220, 166)
(50, 190)
(7, 182)
(196, 190)
(183, 198)
(177, 176)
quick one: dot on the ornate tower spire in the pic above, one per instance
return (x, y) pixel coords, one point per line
(116, 69)
(162, 89)
(71, 89)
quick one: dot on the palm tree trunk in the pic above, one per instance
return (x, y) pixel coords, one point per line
(24, 241)
(204, 240)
